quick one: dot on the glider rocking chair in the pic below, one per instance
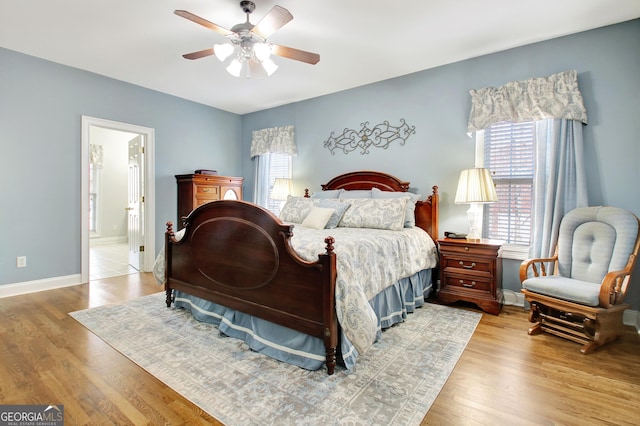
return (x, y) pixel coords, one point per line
(592, 265)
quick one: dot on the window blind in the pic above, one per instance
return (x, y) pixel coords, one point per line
(509, 154)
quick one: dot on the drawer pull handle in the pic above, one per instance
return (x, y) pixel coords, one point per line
(473, 283)
(466, 249)
(473, 264)
(206, 189)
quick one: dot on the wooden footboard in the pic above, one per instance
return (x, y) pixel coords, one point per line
(239, 255)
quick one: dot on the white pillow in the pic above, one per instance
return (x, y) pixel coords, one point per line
(377, 213)
(318, 217)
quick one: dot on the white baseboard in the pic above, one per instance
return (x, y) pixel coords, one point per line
(108, 240)
(27, 287)
(629, 317)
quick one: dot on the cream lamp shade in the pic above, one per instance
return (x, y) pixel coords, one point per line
(475, 187)
(282, 188)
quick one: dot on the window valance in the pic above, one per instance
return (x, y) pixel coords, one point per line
(556, 96)
(274, 139)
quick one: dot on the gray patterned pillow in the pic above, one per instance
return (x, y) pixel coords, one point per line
(377, 213)
(295, 209)
(410, 213)
(339, 207)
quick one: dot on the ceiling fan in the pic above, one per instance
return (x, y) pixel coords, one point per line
(249, 42)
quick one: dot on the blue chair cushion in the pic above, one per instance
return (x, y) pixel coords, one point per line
(594, 241)
(582, 292)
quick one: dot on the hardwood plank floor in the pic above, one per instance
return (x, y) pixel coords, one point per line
(504, 377)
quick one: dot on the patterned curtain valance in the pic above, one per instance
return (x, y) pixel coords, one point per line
(556, 96)
(95, 155)
(274, 139)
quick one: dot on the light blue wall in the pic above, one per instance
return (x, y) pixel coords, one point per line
(41, 104)
(437, 102)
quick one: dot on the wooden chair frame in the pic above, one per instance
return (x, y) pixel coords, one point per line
(588, 325)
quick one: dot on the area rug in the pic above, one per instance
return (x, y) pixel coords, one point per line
(395, 382)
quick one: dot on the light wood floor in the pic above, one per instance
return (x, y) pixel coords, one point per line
(504, 377)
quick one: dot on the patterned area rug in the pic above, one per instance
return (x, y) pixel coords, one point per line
(395, 382)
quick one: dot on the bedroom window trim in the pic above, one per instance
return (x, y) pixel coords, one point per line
(272, 150)
(516, 251)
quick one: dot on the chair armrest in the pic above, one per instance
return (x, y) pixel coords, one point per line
(614, 285)
(614, 288)
(532, 263)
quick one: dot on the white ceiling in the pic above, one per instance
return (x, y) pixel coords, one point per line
(359, 42)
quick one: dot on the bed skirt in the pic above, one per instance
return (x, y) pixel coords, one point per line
(391, 307)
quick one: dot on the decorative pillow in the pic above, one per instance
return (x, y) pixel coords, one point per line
(332, 193)
(339, 207)
(318, 217)
(355, 193)
(410, 214)
(295, 209)
(381, 213)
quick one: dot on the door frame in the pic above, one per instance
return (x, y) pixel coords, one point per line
(148, 190)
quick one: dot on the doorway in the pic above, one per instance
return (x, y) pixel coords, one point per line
(117, 213)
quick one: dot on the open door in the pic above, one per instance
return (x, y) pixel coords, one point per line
(135, 203)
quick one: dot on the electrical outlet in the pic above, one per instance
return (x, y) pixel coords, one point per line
(115, 227)
(21, 261)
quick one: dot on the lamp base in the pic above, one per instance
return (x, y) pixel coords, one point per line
(474, 215)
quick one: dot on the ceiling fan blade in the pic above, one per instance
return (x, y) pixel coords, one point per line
(199, 54)
(271, 22)
(295, 54)
(198, 20)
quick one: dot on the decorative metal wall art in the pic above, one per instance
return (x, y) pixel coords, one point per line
(380, 136)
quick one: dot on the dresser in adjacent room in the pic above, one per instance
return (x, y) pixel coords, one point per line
(197, 189)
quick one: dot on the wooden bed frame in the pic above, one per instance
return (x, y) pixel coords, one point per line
(239, 255)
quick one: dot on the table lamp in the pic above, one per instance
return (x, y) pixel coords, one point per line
(475, 187)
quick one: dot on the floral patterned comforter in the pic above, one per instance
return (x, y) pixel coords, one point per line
(368, 261)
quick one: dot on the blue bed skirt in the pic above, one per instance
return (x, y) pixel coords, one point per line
(391, 306)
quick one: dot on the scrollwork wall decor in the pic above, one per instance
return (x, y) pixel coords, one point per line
(379, 136)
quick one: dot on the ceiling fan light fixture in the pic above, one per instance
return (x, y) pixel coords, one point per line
(262, 51)
(269, 66)
(223, 51)
(234, 68)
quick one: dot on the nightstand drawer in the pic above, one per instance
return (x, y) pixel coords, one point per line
(468, 282)
(467, 264)
(469, 248)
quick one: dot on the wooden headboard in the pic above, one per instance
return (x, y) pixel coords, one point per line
(426, 211)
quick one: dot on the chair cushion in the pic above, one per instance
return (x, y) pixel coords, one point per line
(582, 292)
(595, 240)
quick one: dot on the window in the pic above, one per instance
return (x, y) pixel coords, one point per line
(279, 167)
(507, 150)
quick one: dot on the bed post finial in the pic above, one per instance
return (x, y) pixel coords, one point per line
(329, 241)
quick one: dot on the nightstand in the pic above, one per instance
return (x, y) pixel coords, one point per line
(471, 270)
